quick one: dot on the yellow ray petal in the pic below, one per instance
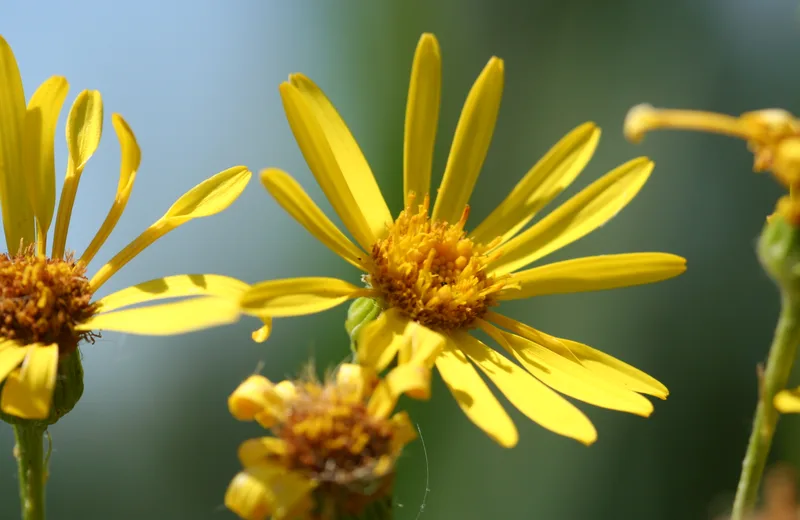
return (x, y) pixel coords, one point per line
(298, 204)
(167, 319)
(379, 340)
(422, 116)
(298, 296)
(17, 211)
(207, 198)
(38, 155)
(253, 452)
(422, 347)
(254, 395)
(548, 177)
(470, 143)
(540, 404)
(579, 216)
(84, 128)
(352, 163)
(786, 401)
(529, 333)
(593, 273)
(28, 391)
(130, 158)
(474, 397)
(262, 334)
(268, 490)
(11, 355)
(411, 379)
(321, 160)
(568, 377)
(177, 286)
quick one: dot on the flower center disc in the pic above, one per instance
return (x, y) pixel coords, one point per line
(43, 299)
(432, 272)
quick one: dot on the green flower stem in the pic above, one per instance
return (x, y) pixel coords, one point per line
(30, 459)
(779, 366)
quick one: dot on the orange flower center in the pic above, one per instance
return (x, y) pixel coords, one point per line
(432, 272)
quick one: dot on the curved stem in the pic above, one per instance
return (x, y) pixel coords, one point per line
(779, 366)
(30, 460)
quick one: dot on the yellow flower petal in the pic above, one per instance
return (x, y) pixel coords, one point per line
(11, 355)
(253, 452)
(379, 340)
(548, 177)
(540, 404)
(356, 379)
(311, 138)
(38, 154)
(474, 397)
(298, 296)
(788, 401)
(269, 490)
(262, 334)
(594, 273)
(580, 215)
(17, 211)
(130, 158)
(470, 143)
(411, 379)
(288, 193)
(422, 347)
(207, 198)
(422, 116)
(167, 319)
(178, 286)
(28, 391)
(353, 165)
(254, 395)
(84, 128)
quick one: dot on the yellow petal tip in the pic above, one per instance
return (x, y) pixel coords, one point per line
(636, 122)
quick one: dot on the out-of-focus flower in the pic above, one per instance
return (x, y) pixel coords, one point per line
(780, 495)
(427, 270)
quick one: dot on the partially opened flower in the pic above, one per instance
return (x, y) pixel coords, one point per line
(47, 302)
(427, 268)
(334, 444)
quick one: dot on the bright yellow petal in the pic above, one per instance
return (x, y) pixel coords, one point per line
(352, 163)
(548, 177)
(28, 391)
(38, 155)
(579, 216)
(16, 207)
(422, 116)
(269, 490)
(298, 296)
(288, 193)
(411, 379)
(167, 319)
(594, 273)
(254, 395)
(311, 138)
(84, 128)
(540, 404)
(568, 377)
(262, 334)
(423, 346)
(11, 355)
(130, 158)
(788, 401)
(177, 286)
(470, 143)
(474, 397)
(253, 452)
(207, 198)
(378, 342)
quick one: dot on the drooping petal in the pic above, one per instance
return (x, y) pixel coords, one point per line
(379, 341)
(84, 128)
(594, 273)
(298, 296)
(353, 164)
(38, 152)
(422, 117)
(470, 143)
(261, 334)
(167, 319)
(579, 216)
(411, 379)
(177, 286)
(253, 452)
(269, 490)
(254, 395)
(288, 193)
(130, 158)
(11, 355)
(545, 181)
(539, 403)
(28, 391)
(16, 207)
(474, 397)
(207, 198)
(321, 160)
(785, 401)
(422, 347)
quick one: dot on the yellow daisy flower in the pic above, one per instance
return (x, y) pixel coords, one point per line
(47, 301)
(427, 269)
(334, 445)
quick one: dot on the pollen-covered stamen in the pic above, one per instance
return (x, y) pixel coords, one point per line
(432, 272)
(43, 299)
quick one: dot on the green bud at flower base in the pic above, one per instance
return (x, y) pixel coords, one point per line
(779, 253)
(67, 393)
(362, 311)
